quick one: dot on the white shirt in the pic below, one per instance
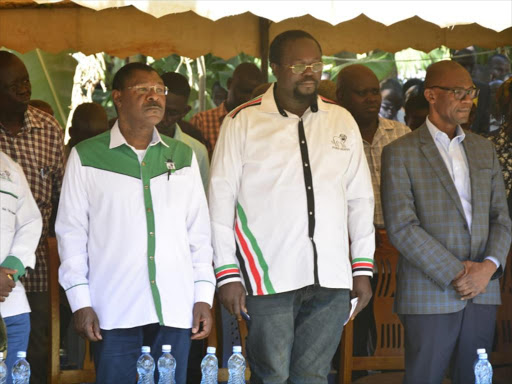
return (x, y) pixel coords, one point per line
(454, 157)
(20, 230)
(134, 236)
(260, 199)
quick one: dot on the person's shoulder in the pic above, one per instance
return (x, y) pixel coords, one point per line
(192, 142)
(409, 139)
(479, 140)
(99, 142)
(243, 108)
(44, 120)
(394, 125)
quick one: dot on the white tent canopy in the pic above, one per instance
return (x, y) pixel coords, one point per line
(495, 15)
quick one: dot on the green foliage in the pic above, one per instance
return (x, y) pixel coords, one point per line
(381, 63)
(51, 76)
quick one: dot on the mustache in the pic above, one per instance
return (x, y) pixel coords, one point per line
(153, 104)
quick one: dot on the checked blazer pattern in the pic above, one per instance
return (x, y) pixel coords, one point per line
(425, 221)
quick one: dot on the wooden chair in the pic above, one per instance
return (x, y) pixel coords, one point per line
(389, 351)
(502, 354)
(215, 340)
(56, 375)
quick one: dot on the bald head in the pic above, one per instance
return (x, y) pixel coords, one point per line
(89, 120)
(6, 58)
(358, 91)
(246, 77)
(446, 73)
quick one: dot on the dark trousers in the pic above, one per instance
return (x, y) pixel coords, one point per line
(432, 342)
(115, 357)
(38, 344)
(293, 335)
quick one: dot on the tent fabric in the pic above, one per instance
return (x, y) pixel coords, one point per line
(494, 15)
(57, 26)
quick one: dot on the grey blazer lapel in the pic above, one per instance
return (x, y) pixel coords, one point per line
(429, 149)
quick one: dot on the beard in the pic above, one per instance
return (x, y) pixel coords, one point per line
(303, 97)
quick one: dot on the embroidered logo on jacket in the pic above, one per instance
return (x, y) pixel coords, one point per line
(338, 142)
(5, 175)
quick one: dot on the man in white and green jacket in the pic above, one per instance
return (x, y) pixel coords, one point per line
(134, 236)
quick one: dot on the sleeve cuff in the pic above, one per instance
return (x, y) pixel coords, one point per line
(494, 260)
(78, 296)
(12, 262)
(228, 273)
(204, 291)
(362, 267)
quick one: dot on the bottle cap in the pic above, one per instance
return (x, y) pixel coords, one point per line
(480, 350)
(166, 348)
(237, 348)
(21, 354)
(211, 350)
(482, 356)
(146, 349)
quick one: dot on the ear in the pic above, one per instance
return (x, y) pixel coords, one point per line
(230, 80)
(430, 95)
(275, 68)
(116, 97)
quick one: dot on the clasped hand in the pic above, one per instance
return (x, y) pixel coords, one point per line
(474, 279)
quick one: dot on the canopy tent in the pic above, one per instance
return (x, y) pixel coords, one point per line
(226, 28)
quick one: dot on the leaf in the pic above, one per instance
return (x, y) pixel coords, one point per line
(51, 77)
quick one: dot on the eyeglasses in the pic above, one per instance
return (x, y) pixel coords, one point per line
(145, 89)
(301, 68)
(460, 93)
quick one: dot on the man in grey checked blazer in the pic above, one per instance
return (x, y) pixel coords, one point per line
(445, 211)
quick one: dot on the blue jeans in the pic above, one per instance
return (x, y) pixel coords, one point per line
(18, 331)
(293, 335)
(115, 357)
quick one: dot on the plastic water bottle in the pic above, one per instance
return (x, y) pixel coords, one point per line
(3, 369)
(166, 366)
(236, 366)
(479, 351)
(483, 370)
(21, 369)
(146, 367)
(209, 367)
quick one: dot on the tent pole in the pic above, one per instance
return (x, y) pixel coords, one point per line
(264, 26)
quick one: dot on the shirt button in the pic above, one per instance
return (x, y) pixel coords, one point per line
(310, 213)
(152, 281)
(151, 234)
(151, 257)
(309, 186)
(305, 164)
(302, 142)
(149, 209)
(143, 163)
(146, 187)
(311, 238)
